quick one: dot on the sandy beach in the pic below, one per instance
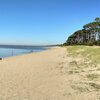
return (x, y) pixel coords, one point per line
(41, 76)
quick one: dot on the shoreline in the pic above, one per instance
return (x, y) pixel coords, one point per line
(31, 76)
(26, 53)
(58, 73)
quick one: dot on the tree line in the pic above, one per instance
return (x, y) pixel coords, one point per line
(89, 35)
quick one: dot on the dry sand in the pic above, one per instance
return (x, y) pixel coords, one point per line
(41, 76)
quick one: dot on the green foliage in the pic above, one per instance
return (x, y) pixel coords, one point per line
(89, 35)
(65, 44)
(97, 19)
(90, 43)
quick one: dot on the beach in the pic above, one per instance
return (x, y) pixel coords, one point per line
(44, 75)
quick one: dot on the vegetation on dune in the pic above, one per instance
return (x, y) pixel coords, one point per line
(93, 53)
(89, 35)
(84, 64)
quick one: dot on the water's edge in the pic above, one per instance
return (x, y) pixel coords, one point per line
(9, 51)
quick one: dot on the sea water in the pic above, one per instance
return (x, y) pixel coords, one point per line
(13, 51)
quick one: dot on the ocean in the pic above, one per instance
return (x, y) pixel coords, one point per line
(13, 50)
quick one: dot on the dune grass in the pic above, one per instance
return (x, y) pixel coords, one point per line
(90, 52)
(85, 65)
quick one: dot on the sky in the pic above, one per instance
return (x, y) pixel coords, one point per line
(44, 22)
